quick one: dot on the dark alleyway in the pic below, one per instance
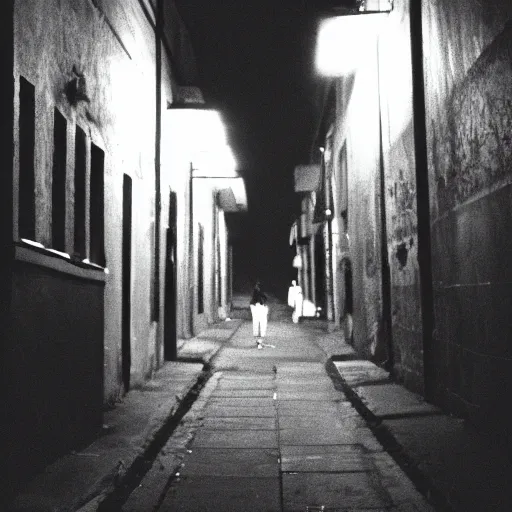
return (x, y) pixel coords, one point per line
(270, 432)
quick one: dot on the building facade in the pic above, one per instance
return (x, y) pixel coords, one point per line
(93, 234)
(417, 157)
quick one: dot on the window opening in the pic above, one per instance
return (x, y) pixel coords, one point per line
(96, 220)
(80, 186)
(26, 202)
(59, 182)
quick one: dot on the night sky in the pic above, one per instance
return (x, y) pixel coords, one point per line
(255, 64)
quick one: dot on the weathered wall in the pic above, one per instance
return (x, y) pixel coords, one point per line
(55, 369)
(400, 194)
(359, 129)
(113, 46)
(468, 77)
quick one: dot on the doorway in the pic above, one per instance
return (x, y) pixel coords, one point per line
(170, 337)
(126, 355)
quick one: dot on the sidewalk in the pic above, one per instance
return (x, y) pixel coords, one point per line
(457, 467)
(80, 480)
(270, 432)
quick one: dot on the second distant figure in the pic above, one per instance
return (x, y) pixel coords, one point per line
(295, 301)
(259, 312)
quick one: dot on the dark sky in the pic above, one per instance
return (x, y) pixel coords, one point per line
(255, 65)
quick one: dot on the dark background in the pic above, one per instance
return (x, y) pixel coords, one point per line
(255, 62)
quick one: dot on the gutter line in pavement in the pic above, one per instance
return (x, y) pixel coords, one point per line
(422, 482)
(142, 464)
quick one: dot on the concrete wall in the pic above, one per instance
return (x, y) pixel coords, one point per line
(468, 76)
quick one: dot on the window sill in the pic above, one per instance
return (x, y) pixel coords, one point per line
(36, 254)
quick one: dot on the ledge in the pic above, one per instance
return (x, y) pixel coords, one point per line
(59, 262)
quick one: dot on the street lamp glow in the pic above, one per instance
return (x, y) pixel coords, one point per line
(196, 129)
(215, 161)
(342, 40)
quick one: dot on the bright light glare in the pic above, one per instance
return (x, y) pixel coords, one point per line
(341, 42)
(215, 161)
(196, 129)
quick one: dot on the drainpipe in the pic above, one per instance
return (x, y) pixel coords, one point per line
(158, 135)
(386, 273)
(191, 249)
(422, 191)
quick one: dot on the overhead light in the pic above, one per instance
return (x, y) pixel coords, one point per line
(341, 42)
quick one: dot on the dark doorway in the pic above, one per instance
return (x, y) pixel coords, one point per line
(127, 275)
(348, 309)
(170, 349)
(320, 272)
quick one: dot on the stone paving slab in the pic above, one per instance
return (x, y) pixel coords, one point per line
(227, 493)
(306, 436)
(393, 400)
(310, 396)
(247, 402)
(306, 459)
(223, 411)
(359, 372)
(243, 423)
(311, 408)
(231, 462)
(317, 422)
(244, 393)
(235, 439)
(343, 491)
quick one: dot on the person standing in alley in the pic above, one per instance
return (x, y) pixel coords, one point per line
(259, 312)
(295, 301)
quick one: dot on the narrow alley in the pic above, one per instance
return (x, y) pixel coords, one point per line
(271, 432)
(169, 167)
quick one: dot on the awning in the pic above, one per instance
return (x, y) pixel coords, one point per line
(307, 178)
(231, 195)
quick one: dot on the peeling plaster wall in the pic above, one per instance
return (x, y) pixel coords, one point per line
(113, 46)
(400, 194)
(468, 77)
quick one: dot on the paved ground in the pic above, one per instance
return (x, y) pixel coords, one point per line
(271, 433)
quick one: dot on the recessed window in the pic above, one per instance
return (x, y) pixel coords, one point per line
(96, 218)
(80, 186)
(59, 182)
(26, 202)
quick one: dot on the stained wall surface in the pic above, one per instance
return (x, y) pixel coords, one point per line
(400, 194)
(91, 65)
(467, 68)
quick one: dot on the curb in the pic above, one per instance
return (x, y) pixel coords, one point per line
(422, 482)
(114, 498)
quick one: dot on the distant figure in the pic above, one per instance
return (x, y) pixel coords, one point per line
(259, 312)
(295, 301)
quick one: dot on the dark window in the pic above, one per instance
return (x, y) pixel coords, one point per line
(26, 204)
(96, 225)
(80, 184)
(200, 271)
(59, 182)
